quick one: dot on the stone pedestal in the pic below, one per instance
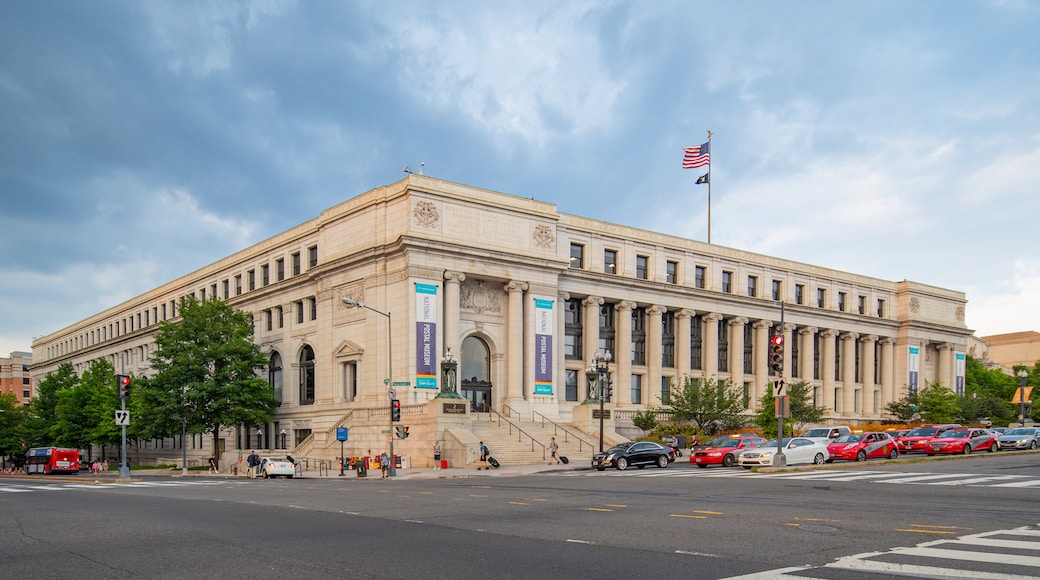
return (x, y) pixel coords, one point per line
(586, 417)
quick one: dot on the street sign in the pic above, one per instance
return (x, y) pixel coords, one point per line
(402, 383)
(391, 393)
(122, 418)
(778, 388)
(341, 434)
(1020, 396)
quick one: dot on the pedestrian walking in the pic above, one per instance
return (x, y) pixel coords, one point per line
(484, 454)
(252, 461)
(436, 454)
(384, 464)
(213, 465)
(554, 448)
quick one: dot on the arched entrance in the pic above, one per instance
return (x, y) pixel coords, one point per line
(476, 374)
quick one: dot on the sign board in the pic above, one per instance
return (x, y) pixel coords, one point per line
(341, 434)
(1018, 398)
(391, 393)
(780, 406)
(402, 383)
(454, 408)
(596, 413)
(778, 388)
(122, 418)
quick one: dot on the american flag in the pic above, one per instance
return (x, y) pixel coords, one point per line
(697, 156)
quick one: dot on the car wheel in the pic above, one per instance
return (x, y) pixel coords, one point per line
(967, 449)
(266, 475)
(728, 461)
(993, 447)
(893, 454)
(702, 466)
(289, 476)
(820, 459)
(601, 469)
(1032, 444)
(830, 461)
(662, 461)
(622, 464)
(861, 456)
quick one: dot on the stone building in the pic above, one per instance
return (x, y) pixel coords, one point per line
(15, 378)
(524, 296)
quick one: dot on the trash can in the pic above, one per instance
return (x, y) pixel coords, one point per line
(397, 461)
(444, 463)
(406, 462)
(362, 469)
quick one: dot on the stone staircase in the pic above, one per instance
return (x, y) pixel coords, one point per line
(514, 441)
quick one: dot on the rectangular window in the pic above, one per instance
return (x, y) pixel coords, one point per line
(695, 343)
(727, 282)
(841, 300)
(226, 285)
(26, 394)
(350, 381)
(577, 256)
(252, 279)
(668, 340)
(238, 285)
(861, 306)
(606, 327)
(312, 256)
(637, 389)
(642, 264)
(610, 261)
(265, 275)
(281, 317)
(752, 286)
(881, 308)
(821, 297)
(269, 315)
(777, 287)
(26, 381)
(279, 269)
(698, 277)
(799, 293)
(299, 311)
(666, 387)
(203, 299)
(639, 336)
(314, 308)
(671, 272)
(571, 385)
(295, 264)
(572, 330)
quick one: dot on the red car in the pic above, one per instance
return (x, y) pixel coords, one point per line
(724, 453)
(915, 441)
(963, 441)
(861, 446)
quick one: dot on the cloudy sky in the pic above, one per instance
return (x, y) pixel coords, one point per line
(140, 141)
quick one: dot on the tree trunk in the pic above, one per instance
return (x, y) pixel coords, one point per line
(216, 444)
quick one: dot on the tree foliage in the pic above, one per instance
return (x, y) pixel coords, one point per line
(12, 418)
(713, 406)
(938, 404)
(206, 373)
(645, 420)
(800, 404)
(41, 424)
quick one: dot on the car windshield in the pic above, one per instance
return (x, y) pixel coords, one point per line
(618, 447)
(850, 438)
(1018, 432)
(730, 443)
(772, 443)
(956, 434)
(922, 432)
(817, 433)
(718, 441)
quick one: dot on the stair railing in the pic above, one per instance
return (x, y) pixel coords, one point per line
(520, 432)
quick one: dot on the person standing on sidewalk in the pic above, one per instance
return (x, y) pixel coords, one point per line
(554, 449)
(252, 461)
(436, 454)
(484, 454)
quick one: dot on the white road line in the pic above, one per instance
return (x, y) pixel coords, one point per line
(1026, 483)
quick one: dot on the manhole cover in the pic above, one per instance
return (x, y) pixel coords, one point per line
(812, 528)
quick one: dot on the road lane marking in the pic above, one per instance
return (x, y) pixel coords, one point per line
(596, 509)
(617, 505)
(518, 503)
(581, 542)
(696, 554)
(688, 516)
(707, 512)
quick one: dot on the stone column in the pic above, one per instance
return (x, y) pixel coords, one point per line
(736, 351)
(711, 345)
(761, 368)
(623, 356)
(888, 377)
(827, 368)
(590, 340)
(452, 339)
(807, 352)
(848, 360)
(869, 381)
(945, 373)
(682, 342)
(654, 350)
(514, 343)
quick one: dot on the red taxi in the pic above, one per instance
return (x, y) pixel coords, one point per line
(861, 446)
(724, 452)
(963, 441)
(917, 439)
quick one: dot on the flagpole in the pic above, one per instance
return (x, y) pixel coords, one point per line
(709, 189)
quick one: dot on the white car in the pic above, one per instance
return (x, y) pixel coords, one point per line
(796, 450)
(826, 435)
(274, 467)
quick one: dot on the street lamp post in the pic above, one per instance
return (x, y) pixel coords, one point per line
(602, 360)
(283, 438)
(350, 302)
(259, 435)
(1022, 374)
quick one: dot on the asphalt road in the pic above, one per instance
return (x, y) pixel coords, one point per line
(679, 522)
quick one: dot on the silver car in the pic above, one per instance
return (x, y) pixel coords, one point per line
(1020, 438)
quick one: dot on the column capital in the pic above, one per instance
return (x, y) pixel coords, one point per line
(767, 324)
(887, 340)
(868, 338)
(593, 301)
(624, 305)
(686, 313)
(738, 321)
(790, 327)
(565, 296)
(713, 317)
(808, 330)
(849, 336)
(657, 309)
(945, 346)
(829, 333)
(516, 286)
(454, 276)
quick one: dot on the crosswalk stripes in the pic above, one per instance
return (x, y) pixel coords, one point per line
(999, 554)
(835, 475)
(44, 486)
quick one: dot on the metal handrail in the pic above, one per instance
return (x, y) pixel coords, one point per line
(558, 427)
(520, 432)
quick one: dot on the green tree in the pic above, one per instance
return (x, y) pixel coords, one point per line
(765, 418)
(712, 405)
(12, 417)
(40, 426)
(801, 406)
(206, 373)
(938, 404)
(645, 420)
(905, 409)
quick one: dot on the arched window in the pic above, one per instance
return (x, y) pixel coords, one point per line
(307, 376)
(475, 360)
(274, 377)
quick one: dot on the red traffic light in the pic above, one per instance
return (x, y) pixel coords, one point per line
(124, 380)
(777, 340)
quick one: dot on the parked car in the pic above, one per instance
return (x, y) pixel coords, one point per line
(963, 441)
(1020, 438)
(897, 433)
(826, 435)
(863, 446)
(796, 450)
(916, 440)
(276, 467)
(725, 451)
(639, 454)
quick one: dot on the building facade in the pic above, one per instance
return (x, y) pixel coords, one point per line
(1014, 348)
(524, 296)
(15, 377)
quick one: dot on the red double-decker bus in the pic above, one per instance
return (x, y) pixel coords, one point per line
(52, 460)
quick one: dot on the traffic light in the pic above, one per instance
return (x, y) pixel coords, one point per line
(395, 411)
(609, 391)
(776, 353)
(401, 431)
(123, 387)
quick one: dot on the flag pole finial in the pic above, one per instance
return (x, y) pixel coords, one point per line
(710, 133)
